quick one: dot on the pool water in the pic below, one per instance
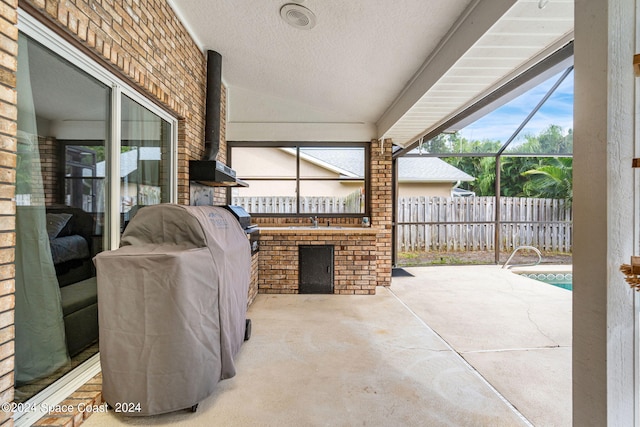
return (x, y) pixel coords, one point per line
(561, 280)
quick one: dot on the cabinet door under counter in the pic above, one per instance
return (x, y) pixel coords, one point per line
(315, 269)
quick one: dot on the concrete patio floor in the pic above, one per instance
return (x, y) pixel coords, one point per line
(451, 346)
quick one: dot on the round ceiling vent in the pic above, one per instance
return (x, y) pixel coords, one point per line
(298, 16)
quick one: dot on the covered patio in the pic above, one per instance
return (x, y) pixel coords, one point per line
(437, 348)
(473, 345)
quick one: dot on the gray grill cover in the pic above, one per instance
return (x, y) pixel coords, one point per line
(172, 304)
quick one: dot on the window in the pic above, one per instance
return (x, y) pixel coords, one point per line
(90, 152)
(301, 178)
(81, 180)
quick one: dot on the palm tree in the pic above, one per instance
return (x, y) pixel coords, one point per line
(553, 180)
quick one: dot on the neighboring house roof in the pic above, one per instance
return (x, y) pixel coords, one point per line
(350, 162)
(429, 169)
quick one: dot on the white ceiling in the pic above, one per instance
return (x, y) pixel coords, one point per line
(369, 68)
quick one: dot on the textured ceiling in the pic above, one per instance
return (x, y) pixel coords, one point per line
(369, 68)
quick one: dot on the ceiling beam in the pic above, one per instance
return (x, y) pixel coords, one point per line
(473, 24)
(301, 131)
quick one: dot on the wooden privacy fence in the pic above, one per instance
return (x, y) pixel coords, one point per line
(468, 224)
(353, 203)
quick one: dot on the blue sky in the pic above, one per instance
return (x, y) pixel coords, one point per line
(501, 123)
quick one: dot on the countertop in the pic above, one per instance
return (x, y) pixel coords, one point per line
(306, 229)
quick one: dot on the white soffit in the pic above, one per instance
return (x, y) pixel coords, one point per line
(525, 35)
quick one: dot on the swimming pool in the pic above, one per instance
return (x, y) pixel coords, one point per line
(561, 280)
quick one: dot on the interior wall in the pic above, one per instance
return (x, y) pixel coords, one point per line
(603, 312)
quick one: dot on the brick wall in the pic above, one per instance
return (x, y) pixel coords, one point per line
(253, 285)
(49, 169)
(8, 146)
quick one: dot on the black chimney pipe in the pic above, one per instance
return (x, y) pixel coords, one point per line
(210, 171)
(212, 105)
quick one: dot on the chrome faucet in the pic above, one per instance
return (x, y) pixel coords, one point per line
(314, 220)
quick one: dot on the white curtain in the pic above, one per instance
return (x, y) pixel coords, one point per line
(40, 338)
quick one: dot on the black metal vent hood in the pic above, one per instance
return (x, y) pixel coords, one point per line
(210, 171)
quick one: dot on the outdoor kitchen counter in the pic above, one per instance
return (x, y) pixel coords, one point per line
(350, 251)
(319, 230)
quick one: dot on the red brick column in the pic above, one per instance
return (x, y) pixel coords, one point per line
(382, 206)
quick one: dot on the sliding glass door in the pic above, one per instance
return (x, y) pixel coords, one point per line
(91, 152)
(58, 215)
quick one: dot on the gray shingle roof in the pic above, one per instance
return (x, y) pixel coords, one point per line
(414, 169)
(429, 169)
(347, 161)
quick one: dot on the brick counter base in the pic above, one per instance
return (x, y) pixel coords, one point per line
(355, 260)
